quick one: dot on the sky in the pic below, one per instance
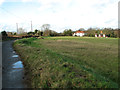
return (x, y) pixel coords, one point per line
(60, 14)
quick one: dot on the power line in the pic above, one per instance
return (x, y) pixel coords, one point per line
(11, 13)
(17, 17)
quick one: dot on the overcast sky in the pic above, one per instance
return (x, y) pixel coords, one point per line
(60, 14)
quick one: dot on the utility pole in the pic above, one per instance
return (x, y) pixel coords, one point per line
(31, 27)
(17, 27)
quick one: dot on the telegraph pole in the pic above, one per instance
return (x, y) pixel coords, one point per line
(31, 27)
(17, 27)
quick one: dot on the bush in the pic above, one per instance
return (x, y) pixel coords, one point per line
(4, 34)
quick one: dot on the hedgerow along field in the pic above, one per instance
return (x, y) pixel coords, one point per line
(69, 62)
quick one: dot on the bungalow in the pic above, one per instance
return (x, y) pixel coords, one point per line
(100, 34)
(79, 33)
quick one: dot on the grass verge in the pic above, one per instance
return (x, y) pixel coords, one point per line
(70, 62)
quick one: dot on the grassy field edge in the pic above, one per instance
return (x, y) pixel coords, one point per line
(62, 67)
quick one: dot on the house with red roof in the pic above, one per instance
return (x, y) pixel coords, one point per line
(79, 33)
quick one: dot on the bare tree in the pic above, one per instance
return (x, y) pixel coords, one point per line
(46, 29)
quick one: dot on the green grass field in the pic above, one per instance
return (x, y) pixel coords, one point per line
(70, 62)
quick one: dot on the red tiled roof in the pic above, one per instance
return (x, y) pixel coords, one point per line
(79, 32)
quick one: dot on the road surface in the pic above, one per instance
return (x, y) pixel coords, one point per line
(12, 67)
(0, 65)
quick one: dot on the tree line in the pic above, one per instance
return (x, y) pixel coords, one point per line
(90, 32)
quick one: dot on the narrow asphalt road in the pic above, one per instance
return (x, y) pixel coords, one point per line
(0, 65)
(12, 67)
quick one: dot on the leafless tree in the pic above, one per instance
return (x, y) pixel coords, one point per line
(46, 29)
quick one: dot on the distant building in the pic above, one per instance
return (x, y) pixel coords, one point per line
(79, 33)
(100, 34)
(96, 35)
(104, 35)
(20, 31)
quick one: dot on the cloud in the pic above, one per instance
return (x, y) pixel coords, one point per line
(81, 13)
(74, 14)
(28, 0)
(1, 2)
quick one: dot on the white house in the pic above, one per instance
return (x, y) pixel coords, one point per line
(104, 35)
(100, 34)
(79, 33)
(96, 35)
